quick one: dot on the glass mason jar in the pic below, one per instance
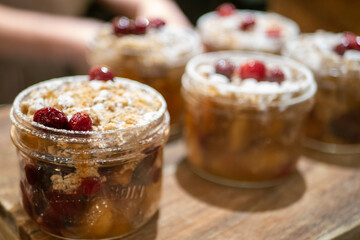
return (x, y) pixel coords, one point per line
(90, 185)
(246, 30)
(333, 124)
(239, 137)
(157, 58)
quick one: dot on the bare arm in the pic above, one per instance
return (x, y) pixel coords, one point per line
(166, 9)
(25, 34)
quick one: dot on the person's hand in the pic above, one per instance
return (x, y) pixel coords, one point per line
(165, 9)
(31, 35)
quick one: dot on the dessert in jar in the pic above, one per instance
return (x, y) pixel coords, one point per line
(90, 154)
(228, 28)
(149, 51)
(333, 125)
(243, 116)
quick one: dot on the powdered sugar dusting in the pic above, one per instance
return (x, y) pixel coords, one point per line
(117, 104)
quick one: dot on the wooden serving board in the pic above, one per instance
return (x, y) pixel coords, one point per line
(321, 201)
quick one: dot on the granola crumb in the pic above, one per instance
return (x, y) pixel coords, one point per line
(111, 105)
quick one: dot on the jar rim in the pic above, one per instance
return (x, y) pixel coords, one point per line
(16, 111)
(289, 21)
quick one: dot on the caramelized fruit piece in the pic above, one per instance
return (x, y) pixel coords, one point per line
(276, 75)
(340, 49)
(253, 69)
(81, 121)
(151, 199)
(98, 219)
(156, 175)
(51, 117)
(25, 200)
(101, 73)
(224, 67)
(349, 41)
(143, 173)
(90, 186)
(156, 23)
(248, 23)
(347, 126)
(51, 221)
(117, 175)
(352, 41)
(32, 174)
(288, 168)
(65, 204)
(38, 200)
(225, 9)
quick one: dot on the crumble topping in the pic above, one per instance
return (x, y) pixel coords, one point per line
(111, 105)
(316, 51)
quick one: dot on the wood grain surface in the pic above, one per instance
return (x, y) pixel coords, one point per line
(321, 201)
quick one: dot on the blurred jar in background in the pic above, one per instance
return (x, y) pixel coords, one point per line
(151, 52)
(334, 123)
(228, 28)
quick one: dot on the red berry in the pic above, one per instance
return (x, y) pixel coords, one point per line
(224, 67)
(276, 75)
(90, 186)
(249, 22)
(38, 200)
(273, 32)
(141, 25)
(156, 23)
(32, 174)
(253, 69)
(81, 121)
(351, 41)
(101, 73)
(340, 49)
(225, 9)
(122, 25)
(51, 117)
(65, 204)
(143, 173)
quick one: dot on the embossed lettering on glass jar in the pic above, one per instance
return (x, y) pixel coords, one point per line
(94, 184)
(244, 131)
(156, 58)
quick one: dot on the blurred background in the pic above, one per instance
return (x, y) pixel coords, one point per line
(22, 67)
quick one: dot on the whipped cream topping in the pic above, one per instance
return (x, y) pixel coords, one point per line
(166, 46)
(223, 33)
(201, 77)
(112, 105)
(316, 51)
